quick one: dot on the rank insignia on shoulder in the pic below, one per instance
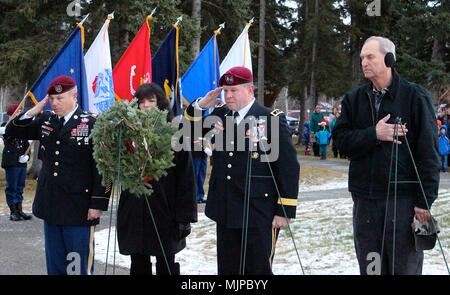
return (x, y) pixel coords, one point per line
(255, 155)
(276, 112)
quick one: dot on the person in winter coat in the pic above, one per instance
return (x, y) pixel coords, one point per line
(323, 138)
(314, 127)
(306, 137)
(366, 131)
(160, 230)
(443, 148)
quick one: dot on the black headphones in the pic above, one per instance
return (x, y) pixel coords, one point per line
(389, 60)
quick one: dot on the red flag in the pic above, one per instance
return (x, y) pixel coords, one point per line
(135, 66)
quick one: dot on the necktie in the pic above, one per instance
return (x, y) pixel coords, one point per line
(61, 122)
(236, 116)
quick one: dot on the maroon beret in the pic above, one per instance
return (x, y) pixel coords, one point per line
(60, 85)
(236, 76)
(11, 108)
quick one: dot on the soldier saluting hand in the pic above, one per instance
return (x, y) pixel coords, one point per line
(69, 195)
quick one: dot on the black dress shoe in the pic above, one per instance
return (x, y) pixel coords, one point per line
(21, 213)
(14, 215)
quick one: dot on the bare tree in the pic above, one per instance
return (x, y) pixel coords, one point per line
(262, 41)
(312, 85)
(303, 13)
(197, 17)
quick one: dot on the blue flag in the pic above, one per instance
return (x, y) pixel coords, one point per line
(203, 74)
(68, 61)
(165, 69)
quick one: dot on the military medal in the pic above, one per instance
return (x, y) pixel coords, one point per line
(82, 130)
(47, 128)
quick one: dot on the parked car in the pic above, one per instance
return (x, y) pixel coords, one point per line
(292, 124)
(3, 117)
(294, 114)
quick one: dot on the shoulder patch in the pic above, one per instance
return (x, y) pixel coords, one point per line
(276, 112)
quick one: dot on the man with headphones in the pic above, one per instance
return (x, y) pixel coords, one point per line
(366, 132)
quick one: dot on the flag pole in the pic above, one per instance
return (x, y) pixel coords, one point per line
(221, 26)
(216, 33)
(84, 19)
(177, 63)
(179, 20)
(153, 11)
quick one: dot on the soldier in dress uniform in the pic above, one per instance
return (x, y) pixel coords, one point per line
(14, 161)
(272, 185)
(69, 195)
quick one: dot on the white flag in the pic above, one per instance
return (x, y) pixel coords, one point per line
(99, 71)
(239, 54)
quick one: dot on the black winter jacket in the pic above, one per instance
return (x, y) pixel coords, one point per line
(355, 136)
(173, 206)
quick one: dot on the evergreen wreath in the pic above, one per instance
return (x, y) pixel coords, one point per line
(132, 147)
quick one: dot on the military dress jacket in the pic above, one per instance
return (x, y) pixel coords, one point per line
(272, 186)
(69, 183)
(12, 150)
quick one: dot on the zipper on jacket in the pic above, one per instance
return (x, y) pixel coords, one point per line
(372, 158)
(371, 109)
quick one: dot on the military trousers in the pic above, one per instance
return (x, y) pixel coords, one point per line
(69, 250)
(258, 255)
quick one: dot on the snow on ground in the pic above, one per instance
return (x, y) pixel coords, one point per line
(323, 236)
(329, 185)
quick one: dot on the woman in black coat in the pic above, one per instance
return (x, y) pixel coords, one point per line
(172, 204)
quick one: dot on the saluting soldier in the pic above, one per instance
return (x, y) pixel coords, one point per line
(69, 195)
(272, 183)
